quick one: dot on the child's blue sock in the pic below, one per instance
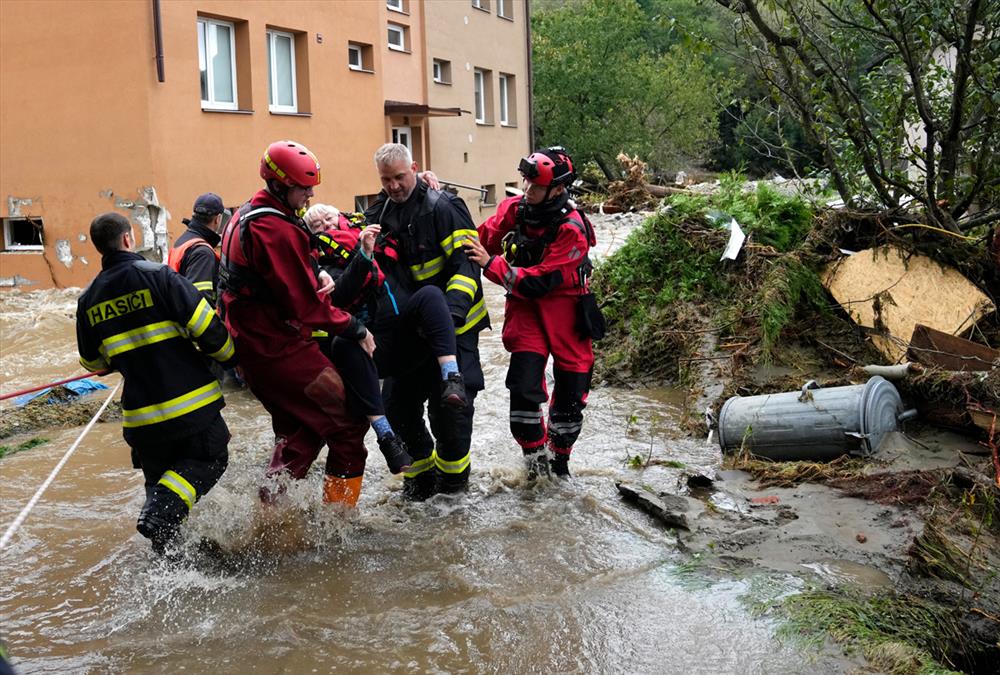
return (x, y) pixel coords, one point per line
(447, 368)
(382, 427)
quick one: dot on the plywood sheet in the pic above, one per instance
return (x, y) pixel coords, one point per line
(885, 290)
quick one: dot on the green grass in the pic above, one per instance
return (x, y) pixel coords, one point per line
(668, 274)
(897, 634)
(6, 450)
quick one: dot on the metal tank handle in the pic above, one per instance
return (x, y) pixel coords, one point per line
(906, 415)
(806, 396)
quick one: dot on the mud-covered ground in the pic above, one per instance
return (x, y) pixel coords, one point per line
(920, 519)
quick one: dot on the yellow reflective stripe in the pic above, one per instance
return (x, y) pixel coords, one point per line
(273, 166)
(455, 239)
(320, 333)
(461, 282)
(421, 465)
(204, 285)
(175, 407)
(476, 313)
(428, 269)
(458, 466)
(226, 352)
(177, 484)
(96, 364)
(203, 314)
(140, 337)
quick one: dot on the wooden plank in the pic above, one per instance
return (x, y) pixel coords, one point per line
(932, 347)
(890, 291)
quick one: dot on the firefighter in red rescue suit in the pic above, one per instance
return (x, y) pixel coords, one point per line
(536, 246)
(272, 303)
(144, 320)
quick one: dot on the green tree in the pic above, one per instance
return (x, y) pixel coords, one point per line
(901, 96)
(610, 78)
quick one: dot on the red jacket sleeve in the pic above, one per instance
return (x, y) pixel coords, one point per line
(556, 271)
(496, 227)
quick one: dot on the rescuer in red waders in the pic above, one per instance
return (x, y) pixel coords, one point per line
(272, 304)
(536, 247)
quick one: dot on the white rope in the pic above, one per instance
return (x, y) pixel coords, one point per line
(9, 534)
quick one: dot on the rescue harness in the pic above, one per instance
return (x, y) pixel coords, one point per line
(243, 280)
(522, 250)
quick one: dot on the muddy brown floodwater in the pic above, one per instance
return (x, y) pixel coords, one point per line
(510, 577)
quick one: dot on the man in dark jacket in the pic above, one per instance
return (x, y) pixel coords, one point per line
(421, 247)
(149, 323)
(194, 254)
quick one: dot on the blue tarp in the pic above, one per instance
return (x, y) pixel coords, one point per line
(78, 388)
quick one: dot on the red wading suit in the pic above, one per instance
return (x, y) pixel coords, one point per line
(540, 320)
(284, 368)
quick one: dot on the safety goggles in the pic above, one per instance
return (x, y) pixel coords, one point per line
(528, 168)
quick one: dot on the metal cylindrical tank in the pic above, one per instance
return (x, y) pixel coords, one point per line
(814, 423)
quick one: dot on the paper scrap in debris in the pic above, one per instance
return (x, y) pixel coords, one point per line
(736, 239)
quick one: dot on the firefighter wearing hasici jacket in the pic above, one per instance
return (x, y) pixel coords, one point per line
(420, 252)
(144, 320)
(272, 303)
(536, 246)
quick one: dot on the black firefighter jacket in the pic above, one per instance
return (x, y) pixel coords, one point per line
(143, 320)
(421, 244)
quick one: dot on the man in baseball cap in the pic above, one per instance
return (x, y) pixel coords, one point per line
(193, 254)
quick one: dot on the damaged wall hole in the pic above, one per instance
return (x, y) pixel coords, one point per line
(23, 234)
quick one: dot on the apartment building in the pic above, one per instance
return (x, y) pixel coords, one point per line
(140, 105)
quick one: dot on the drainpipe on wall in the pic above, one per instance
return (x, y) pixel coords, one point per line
(158, 40)
(531, 78)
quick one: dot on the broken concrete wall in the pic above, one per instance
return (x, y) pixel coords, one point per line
(150, 220)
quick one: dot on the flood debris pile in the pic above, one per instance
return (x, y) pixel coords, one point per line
(667, 287)
(59, 408)
(838, 297)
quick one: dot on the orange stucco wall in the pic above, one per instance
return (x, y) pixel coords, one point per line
(86, 126)
(462, 150)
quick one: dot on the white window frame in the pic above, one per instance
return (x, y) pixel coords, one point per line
(210, 42)
(8, 243)
(401, 30)
(399, 132)
(272, 70)
(504, 100)
(502, 10)
(436, 70)
(355, 49)
(395, 5)
(481, 4)
(479, 92)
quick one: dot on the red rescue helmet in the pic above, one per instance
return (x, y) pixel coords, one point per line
(548, 167)
(290, 163)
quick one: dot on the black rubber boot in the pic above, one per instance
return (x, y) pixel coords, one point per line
(396, 455)
(560, 465)
(452, 483)
(420, 487)
(453, 394)
(536, 462)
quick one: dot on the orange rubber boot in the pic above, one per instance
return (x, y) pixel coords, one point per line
(344, 491)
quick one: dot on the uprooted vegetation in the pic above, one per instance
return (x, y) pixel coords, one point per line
(667, 285)
(772, 326)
